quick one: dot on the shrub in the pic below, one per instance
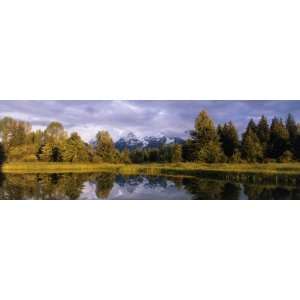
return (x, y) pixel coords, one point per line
(287, 156)
(236, 157)
(97, 159)
(30, 158)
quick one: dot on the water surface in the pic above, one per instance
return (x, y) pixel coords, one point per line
(114, 186)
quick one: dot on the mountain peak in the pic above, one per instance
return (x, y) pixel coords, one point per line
(130, 136)
(131, 142)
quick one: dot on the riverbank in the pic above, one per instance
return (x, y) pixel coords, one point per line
(155, 169)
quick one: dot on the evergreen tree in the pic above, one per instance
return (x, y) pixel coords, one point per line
(229, 138)
(263, 133)
(279, 139)
(154, 155)
(105, 147)
(125, 156)
(51, 153)
(188, 151)
(177, 154)
(205, 141)
(297, 147)
(165, 153)
(251, 148)
(292, 129)
(146, 155)
(251, 126)
(2, 154)
(137, 156)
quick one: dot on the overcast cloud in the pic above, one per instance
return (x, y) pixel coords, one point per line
(172, 118)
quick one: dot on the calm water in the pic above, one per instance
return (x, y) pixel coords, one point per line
(112, 186)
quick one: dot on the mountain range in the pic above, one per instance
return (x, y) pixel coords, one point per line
(132, 142)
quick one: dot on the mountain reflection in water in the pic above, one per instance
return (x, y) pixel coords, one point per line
(113, 186)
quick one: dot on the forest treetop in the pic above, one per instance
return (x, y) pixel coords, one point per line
(264, 141)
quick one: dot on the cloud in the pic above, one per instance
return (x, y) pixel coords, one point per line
(141, 117)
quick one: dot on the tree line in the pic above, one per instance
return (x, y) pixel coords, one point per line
(19, 143)
(278, 141)
(261, 141)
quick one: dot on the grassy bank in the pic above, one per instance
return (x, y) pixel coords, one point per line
(155, 169)
(273, 173)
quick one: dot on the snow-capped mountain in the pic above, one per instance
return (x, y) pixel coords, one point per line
(129, 142)
(132, 142)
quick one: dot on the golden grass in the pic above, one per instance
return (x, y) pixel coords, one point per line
(154, 169)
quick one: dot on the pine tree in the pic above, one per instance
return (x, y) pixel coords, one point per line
(229, 138)
(125, 157)
(188, 151)
(154, 155)
(205, 140)
(177, 154)
(47, 153)
(137, 156)
(105, 148)
(251, 126)
(146, 155)
(297, 146)
(2, 154)
(51, 153)
(263, 134)
(251, 148)
(279, 139)
(292, 129)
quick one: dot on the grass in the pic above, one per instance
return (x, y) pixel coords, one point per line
(155, 169)
(271, 173)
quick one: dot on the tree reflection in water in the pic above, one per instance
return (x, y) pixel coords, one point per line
(211, 189)
(110, 186)
(104, 185)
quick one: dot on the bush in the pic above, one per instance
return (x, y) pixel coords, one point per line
(236, 157)
(287, 156)
(97, 159)
(269, 161)
(30, 158)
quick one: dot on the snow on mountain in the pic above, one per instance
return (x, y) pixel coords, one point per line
(170, 140)
(131, 142)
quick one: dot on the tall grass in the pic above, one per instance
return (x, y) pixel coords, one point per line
(155, 169)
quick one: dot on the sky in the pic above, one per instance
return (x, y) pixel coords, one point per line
(144, 118)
